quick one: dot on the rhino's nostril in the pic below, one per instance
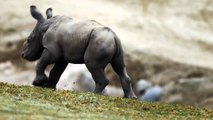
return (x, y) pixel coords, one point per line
(22, 54)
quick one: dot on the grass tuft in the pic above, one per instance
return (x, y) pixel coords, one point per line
(26, 102)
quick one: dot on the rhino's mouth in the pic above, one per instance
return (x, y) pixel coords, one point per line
(29, 57)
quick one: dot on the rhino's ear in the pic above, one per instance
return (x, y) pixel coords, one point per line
(35, 13)
(49, 13)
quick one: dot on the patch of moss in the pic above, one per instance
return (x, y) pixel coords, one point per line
(25, 102)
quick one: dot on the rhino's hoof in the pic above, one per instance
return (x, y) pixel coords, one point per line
(40, 81)
(49, 86)
(134, 97)
(131, 96)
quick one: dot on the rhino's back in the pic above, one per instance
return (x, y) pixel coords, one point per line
(72, 36)
(78, 29)
(68, 27)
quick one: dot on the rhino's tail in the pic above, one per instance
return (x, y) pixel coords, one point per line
(119, 49)
(118, 58)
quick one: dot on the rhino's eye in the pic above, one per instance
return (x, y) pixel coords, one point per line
(28, 40)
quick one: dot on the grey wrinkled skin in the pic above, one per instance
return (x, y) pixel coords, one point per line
(60, 40)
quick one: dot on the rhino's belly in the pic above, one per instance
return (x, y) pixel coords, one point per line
(73, 51)
(74, 56)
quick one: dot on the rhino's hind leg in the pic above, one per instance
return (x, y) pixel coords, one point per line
(55, 73)
(98, 54)
(100, 80)
(96, 64)
(119, 67)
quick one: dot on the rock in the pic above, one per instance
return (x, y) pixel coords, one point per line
(147, 92)
(114, 91)
(142, 85)
(77, 78)
(152, 94)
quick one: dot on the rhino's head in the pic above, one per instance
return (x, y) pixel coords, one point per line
(32, 48)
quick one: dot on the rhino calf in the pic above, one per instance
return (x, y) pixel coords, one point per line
(60, 40)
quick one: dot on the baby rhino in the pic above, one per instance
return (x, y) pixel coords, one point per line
(60, 40)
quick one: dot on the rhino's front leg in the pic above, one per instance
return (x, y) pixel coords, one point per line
(55, 73)
(41, 78)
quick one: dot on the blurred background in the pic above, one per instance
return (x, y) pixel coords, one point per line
(168, 43)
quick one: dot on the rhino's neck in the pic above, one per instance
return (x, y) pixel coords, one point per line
(47, 23)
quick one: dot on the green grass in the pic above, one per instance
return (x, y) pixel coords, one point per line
(25, 102)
